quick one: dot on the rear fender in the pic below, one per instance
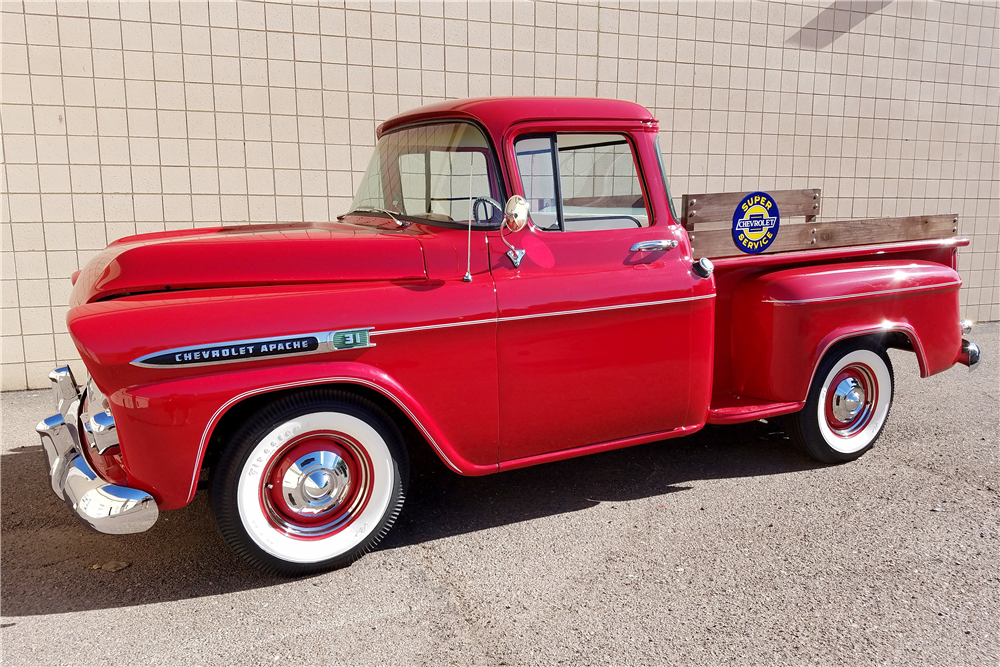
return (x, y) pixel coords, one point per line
(784, 322)
(180, 416)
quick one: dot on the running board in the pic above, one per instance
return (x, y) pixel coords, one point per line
(740, 410)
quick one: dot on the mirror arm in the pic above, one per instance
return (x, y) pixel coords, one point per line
(514, 254)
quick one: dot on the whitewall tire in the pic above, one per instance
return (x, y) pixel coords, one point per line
(848, 403)
(312, 482)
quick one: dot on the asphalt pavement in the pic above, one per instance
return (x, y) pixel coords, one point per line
(725, 548)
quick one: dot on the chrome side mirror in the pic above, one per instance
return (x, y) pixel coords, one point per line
(515, 217)
(515, 213)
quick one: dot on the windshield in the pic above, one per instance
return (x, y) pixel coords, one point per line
(440, 173)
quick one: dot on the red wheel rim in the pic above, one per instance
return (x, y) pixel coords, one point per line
(316, 485)
(851, 398)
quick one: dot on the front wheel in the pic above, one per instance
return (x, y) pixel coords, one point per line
(311, 483)
(848, 403)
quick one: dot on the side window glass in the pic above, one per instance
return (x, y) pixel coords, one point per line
(600, 186)
(537, 169)
(581, 182)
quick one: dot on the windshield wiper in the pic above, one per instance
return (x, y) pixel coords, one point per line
(373, 209)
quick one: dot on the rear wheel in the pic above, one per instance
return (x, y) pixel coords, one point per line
(848, 403)
(311, 483)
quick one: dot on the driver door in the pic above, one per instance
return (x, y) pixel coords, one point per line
(594, 339)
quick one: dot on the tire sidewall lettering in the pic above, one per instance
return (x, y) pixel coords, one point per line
(274, 441)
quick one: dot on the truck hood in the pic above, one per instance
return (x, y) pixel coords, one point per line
(282, 254)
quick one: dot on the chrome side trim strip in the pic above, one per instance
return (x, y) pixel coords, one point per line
(325, 339)
(445, 325)
(861, 295)
(305, 383)
(605, 308)
(514, 318)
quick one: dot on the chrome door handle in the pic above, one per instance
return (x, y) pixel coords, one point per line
(649, 246)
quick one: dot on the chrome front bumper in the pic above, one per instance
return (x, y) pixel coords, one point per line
(104, 507)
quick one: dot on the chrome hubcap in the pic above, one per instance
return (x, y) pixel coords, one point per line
(848, 399)
(316, 483)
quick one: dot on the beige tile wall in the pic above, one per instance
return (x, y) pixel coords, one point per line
(129, 117)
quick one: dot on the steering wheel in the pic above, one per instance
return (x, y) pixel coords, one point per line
(495, 210)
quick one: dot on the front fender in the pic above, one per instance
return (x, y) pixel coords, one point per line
(165, 427)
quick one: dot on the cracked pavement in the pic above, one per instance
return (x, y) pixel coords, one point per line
(727, 547)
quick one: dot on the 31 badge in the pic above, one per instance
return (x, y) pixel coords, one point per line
(755, 223)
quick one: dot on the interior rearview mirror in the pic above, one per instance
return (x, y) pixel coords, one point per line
(515, 213)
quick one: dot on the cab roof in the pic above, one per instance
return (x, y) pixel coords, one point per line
(499, 113)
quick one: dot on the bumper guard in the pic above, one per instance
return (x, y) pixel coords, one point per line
(970, 355)
(102, 506)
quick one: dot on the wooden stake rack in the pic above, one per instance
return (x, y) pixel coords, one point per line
(708, 219)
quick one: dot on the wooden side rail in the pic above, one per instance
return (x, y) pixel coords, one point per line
(838, 233)
(719, 206)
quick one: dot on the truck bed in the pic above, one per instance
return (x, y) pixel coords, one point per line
(728, 404)
(801, 241)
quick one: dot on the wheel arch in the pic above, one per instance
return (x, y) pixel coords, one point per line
(898, 336)
(236, 411)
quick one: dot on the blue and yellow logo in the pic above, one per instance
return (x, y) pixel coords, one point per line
(755, 223)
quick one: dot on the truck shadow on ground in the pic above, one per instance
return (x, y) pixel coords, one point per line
(49, 559)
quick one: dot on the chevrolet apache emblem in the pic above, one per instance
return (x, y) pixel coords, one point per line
(249, 350)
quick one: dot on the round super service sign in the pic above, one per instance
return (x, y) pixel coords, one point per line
(755, 223)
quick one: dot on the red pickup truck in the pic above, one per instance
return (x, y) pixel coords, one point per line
(513, 285)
